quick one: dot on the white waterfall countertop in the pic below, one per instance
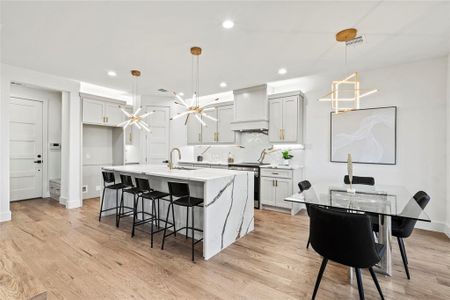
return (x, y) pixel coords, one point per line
(199, 174)
(227, 213)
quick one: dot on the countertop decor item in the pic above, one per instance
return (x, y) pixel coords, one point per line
(350, 173)
(134, 118)
(194, 108)
(286, 157)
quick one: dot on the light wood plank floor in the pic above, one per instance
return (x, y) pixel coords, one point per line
(48, 251)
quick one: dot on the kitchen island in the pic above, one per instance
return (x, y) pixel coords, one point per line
(227, 213)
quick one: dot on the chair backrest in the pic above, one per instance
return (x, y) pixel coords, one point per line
(346, 238)
(143, 184)
(108, 177)
(178, 189)
(406, 225)
(304, 185)
(126, 179)
(360, 180)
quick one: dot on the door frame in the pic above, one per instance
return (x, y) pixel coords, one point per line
(144, 156)
(45, 190)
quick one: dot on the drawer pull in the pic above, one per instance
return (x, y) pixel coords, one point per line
(275, 173)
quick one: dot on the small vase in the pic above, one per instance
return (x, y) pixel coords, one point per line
(285, 162)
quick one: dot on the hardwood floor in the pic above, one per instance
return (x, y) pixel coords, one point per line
(49, 251)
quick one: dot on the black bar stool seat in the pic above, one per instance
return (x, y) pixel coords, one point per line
(188, 201)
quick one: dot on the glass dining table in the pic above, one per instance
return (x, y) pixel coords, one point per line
(381, 200)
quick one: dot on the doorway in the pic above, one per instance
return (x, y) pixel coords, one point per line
(26, 149)
(157, 140)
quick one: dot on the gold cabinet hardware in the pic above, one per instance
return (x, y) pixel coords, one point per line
(280, 134)
(217, 136)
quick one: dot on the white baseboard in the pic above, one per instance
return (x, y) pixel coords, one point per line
(62, 200)
(73, 204)
(434, 226)
(5, 216)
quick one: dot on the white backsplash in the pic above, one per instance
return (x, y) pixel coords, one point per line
(254, 143)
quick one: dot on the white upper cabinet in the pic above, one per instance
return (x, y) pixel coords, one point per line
(194, 131)
(276, 120)
(93, 111)
(210, 130)
(113, 114)
(102, 111)
(213, 132)
(286, 118)
(224, 118)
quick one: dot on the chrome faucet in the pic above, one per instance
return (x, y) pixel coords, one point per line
(170, 158)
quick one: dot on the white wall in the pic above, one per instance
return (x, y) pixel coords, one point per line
(71, 133)
(419, 90)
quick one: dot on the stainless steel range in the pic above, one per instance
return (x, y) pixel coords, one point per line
(251, 167)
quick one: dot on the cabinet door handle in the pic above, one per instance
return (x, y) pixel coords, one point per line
(217, 134)
(281, 136)
(276, 182)
(107, 119)
(199, 137)
(275, 173)
(273, 182)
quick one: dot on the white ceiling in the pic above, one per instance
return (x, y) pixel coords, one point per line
(83, 40)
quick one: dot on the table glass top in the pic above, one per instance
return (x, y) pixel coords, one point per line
(379, 199)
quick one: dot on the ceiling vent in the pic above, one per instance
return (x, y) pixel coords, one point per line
(162, 90)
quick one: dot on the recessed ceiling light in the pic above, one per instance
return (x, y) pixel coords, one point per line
(112, 73)
(181, 93)
(223, 84)
(227, 24)
(282, 71)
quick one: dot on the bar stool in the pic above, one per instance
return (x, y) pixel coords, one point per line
(109, 182)
(154, 197)
(130, 189)
(182, 193)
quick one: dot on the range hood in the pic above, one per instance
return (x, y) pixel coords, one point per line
(251, 109)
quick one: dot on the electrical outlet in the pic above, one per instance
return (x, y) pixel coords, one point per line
(98, 188)
(84, 188)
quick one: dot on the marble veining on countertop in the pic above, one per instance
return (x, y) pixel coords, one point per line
(290, 167)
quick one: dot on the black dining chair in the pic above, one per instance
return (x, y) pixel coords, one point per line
(345, 238)
(403, 227)
(130, 188)
(153, 218)
(304, 186)
(360, 180)
(180, 196)
(109, 182)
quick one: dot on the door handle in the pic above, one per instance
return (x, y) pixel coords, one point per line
(38, 161)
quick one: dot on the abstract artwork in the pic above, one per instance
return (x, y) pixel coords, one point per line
(368, 134)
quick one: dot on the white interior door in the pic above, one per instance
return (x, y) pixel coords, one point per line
(158, 137)
(25, 144)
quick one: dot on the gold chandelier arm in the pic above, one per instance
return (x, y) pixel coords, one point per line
(180, 99)
(180, 114)
(210, 103)
(137, 111)
(124, 124)
(209, 117)
(125, 112)
(147, 114)
(145, 126)
(200, 120)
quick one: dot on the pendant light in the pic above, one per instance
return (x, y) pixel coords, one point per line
(134, 118)
(194, 108)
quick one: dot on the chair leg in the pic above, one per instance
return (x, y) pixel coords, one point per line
(159, 225)
(319, 277)
(187, 221)
(192, 232)
(165, 226)
(151, 223)
(401, 245)
(117, 207)
(360, 283)
(142, 213)
(307, 244)
(374, 277)
(101, 205)
(135, 206)
(173, 218)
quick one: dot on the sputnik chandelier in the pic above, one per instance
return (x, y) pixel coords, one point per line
(135, 118)
(194, 108)
(345, 94)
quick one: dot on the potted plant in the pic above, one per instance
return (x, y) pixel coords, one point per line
(286, 157)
